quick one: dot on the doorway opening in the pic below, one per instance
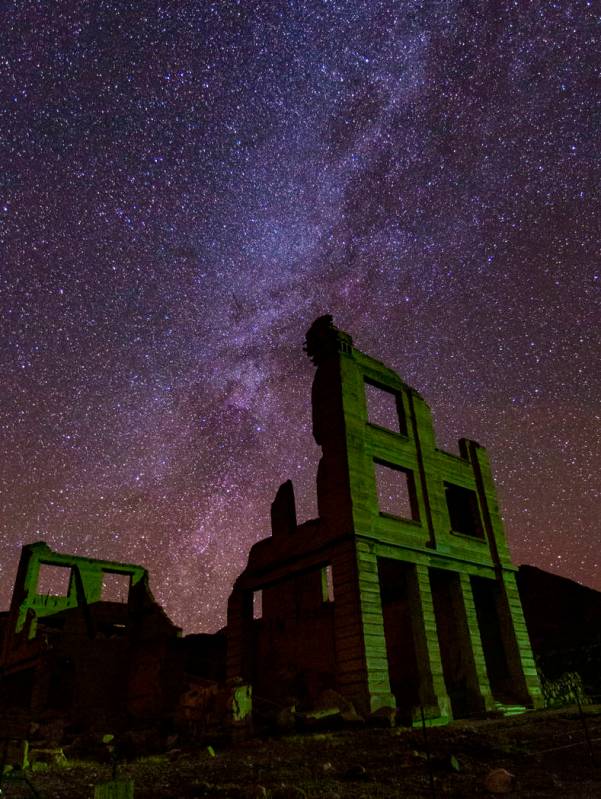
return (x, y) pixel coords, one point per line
(452, 639)
(395, 576)
(486, 594)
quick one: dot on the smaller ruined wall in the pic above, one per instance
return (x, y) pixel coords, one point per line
(94, 651)
(86, 580)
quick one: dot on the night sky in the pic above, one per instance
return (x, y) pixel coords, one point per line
(185, 186)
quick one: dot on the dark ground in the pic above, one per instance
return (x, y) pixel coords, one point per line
(545, 750)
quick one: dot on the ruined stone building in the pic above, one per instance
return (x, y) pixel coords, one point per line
(402, 593)
(84, 639)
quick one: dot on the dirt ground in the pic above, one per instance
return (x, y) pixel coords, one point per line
(546, 751)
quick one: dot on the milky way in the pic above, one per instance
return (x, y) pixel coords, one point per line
(185, 186)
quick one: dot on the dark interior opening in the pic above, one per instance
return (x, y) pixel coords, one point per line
(452, 639)
(486, 599)
(464, 513)
(403, 672)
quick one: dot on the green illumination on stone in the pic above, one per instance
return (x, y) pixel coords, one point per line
(426, 616)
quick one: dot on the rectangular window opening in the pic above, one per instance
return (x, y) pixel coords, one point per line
(396, 491)
(258, 604)
(327, 584)
(384, 408)
(53, 580)
(464, 513)
(115, 586)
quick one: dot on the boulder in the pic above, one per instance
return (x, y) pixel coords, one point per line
(499, 780)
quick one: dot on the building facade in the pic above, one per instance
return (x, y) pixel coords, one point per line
(84, 639)
(402, 593)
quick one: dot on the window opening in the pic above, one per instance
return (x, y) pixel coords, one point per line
(53, 580)
(396, 491)
(115, 586)
(384, 408)
(464, 513)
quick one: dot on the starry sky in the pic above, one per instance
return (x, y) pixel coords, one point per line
(185, 186)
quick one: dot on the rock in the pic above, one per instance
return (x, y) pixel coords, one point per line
(383, 717)
(499, 780)
(199, 789)
(256, 792)
(285, 719)
(445, 763)
(288, 792)
(50, 731)
(88, 746)
(138, 743)
(351, 717)
(332, 699)
(330, 709)
(356, 772)
(320, 717)
(47, 757)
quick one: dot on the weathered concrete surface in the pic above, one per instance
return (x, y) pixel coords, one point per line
(426, 615)
(78, 655)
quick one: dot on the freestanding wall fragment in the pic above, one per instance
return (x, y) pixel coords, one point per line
(85, 640)
(402, 592)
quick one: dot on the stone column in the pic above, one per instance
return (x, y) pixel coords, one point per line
(432, 691)
(478, 683)
(374, 638)
(362, 663)
(518, 651)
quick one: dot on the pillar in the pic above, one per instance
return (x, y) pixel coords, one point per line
(478, 683)
(520, 660)
(362, 662)
(432, 691)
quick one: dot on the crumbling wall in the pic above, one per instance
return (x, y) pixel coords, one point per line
(85, 651)
(293, 640)
(386, 493)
